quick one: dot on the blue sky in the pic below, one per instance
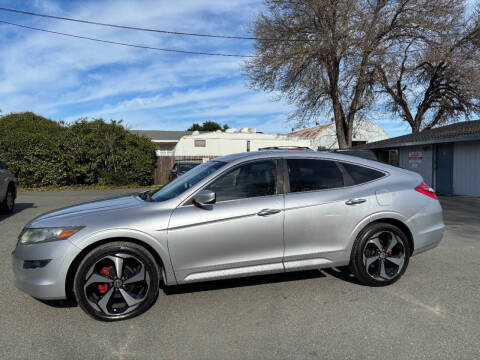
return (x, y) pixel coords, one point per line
(64, 79)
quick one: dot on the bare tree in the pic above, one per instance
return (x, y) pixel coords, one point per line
(434, 77)
(321, 54)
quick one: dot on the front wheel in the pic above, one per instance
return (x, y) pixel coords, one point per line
(380, 254)
(117, 281)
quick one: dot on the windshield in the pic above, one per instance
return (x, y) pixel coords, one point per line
(184, 167)
(186, 181)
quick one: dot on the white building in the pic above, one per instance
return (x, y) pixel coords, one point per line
(232, 141)
(325, 136)
(212, 144)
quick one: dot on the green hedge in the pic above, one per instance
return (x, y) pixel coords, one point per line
(42, 152)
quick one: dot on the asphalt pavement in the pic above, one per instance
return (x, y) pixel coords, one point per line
(433, 312)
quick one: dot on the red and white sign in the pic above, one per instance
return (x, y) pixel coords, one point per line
(415, 158)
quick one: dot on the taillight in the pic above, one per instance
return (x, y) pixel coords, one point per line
(425, 189)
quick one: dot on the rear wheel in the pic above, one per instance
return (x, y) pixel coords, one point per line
(380, 255)
(6, 207)
(117, 281)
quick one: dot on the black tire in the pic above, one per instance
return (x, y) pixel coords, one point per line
(8, 204)
(89, 297)
(366, 250)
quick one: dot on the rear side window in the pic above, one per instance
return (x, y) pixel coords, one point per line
(311, 174)
(361, 174)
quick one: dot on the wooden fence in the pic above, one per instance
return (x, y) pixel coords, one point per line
(165, 164)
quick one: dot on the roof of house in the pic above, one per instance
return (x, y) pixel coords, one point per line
(462, 131)
(162, 134)
(313, 132)
(310, 132)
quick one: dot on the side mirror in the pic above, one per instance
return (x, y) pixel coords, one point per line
(204, 198)
(173, 171)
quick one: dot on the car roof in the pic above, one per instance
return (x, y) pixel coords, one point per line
(266, 154)
(287, 154)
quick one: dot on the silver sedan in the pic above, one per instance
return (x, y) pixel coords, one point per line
(239, 215)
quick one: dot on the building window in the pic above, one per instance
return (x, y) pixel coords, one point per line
(200, 143)
(248, 145)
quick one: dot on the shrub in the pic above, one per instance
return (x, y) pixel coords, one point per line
(41, 152)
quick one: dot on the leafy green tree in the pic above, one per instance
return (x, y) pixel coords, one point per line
(208, 126)
(195, 127)
(30, 144)
(42, 152)
(106, 153)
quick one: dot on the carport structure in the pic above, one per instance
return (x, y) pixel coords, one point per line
(447, 157)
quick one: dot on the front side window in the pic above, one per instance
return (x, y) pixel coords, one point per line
(312, 174)
(185, 182)
(361, 174)
(246, 181)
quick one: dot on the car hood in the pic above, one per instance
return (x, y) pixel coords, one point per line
(92, 207)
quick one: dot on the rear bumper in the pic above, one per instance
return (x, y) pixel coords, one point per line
(47, 282)
(429, 228)
(428, 241)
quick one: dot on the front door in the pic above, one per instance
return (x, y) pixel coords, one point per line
(444, 169)
(240, 234)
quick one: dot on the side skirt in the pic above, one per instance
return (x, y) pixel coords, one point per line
(235, 272)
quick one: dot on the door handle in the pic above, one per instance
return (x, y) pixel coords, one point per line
(266, 212)
(355, 201)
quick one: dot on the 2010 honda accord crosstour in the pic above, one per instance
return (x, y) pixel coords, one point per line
(239, 215)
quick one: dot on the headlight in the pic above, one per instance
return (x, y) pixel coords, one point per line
(32, 236)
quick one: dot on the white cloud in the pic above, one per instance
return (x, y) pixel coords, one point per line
(65, 78)
(56, 75)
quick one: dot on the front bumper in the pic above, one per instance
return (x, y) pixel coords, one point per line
(48, 282)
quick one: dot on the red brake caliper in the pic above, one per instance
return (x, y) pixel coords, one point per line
(389, 252)
(103, 288)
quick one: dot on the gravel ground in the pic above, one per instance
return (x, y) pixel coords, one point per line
(431, 313)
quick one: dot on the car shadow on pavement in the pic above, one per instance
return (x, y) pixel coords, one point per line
(19, 207)
(343, 273)
(241, 282)
(67, 303)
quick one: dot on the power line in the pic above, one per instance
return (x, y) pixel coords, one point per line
(164, 31)
(236, 37)
(126, 44)
(156, 48)
(143, 29)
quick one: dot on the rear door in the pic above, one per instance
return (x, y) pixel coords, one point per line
(240, 234)
(323, 204)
